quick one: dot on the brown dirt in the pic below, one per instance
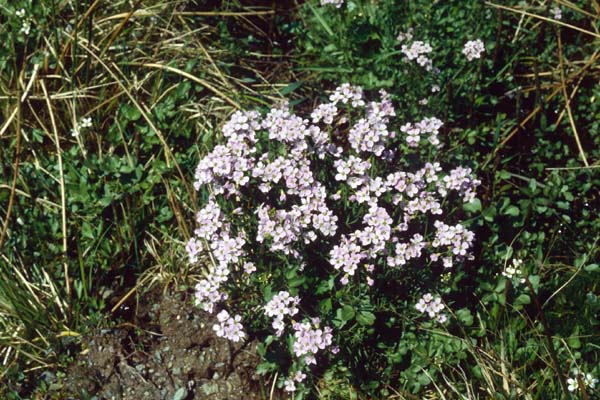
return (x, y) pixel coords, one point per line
(168, 351)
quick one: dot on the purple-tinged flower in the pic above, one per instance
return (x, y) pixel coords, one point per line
(473, 49)
(229, 327)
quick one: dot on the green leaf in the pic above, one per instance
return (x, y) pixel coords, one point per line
(523, 299)
(290, 88)
(574, 342)
(321, 20)
(265, 368)
(291, 273)
(325, 306)
(591, 268)
(297, 281)
(464, 315)
(501, 286)
(473, 206)
(365, 318)
(423, 379)
(86, 231)
(504, 174)
(489, 213)
(325, 286)
(535, 281)
(130, 112)
(513, 211)
(347, 313)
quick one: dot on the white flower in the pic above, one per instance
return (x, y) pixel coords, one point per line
(299, 376)
(590, 381)
(514, 271)
(557, 13)
(405, 36)
(587, 379)
(473, 49)
(573, 385)
(85, 122)
(290, 386)
(336, 3)
(25, 28)
(432, 307)
(249, 267)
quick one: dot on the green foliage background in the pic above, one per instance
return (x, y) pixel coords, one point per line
(516, 116)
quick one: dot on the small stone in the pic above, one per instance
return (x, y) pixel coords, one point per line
(180, 394)
(209, 388)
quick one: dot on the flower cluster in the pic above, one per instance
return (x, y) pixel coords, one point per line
(473, 49)
(456, 238)
(227, 167)
(309, 339)
(226, 250)
(427, 126)
(418, 50)
(405, 36)
(513, 271)
(290, 383)
(589, 381)
(281, 304)
(83, 124)
(461, 180)
(348, 94)
(229, 327)
(337, 3)
(432, 307)
(25, 21)
(331, 183)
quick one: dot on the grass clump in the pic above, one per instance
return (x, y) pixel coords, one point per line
(106, 108)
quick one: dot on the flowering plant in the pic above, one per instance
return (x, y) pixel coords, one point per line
(306, 219)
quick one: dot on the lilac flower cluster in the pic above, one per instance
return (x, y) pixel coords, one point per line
(228, 166)
(461, 180)
(418, 50)
(404, 252)
(193, 248)
(347, 256)
(271, 170)
(25, 21)
(457, 239)
(405, 36)
(370, 134)
(290, 383)
(226, 250)
(229, 327)
(309, 339)
(281, 304)
(432, 307)
(430, 126)
(473, 49)
(348, 94)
